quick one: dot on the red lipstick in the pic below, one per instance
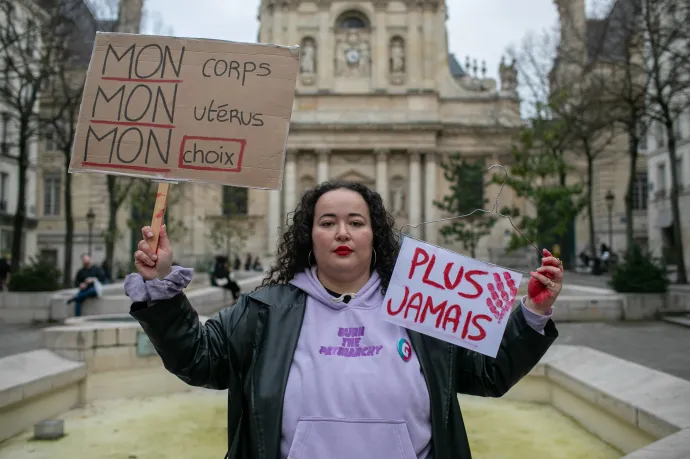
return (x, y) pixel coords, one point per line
(343, 250)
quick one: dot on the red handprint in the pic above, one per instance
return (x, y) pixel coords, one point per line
(537, 291)
(501, 299)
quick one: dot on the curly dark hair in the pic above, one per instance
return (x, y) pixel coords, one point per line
(296, 243)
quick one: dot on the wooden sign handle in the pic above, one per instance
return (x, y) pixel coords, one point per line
(158, 213)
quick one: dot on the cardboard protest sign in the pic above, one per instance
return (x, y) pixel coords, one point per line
(451, 297)
(181, 109)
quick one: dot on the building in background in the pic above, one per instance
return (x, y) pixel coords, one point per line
(661, 240)
(379, 100)
(595, 45)
(89, 191)
(18, 18)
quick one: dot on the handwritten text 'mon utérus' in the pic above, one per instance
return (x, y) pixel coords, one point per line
(449, 318)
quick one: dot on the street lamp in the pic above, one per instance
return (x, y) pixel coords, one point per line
(90, 220)
(610, 198)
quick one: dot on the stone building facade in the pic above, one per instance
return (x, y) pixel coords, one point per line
(661, 238)
(596, 45)
(16, 18)
(379, 100)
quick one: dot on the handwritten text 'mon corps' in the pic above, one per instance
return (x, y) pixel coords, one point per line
(423, 308)
(134, 119)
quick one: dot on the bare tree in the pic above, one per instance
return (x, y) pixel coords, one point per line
(153, 23)
(560, 87)
(591, 129)
(61, 98)
(625, 86)
(119, 187)
(667, 64)
(30, 40)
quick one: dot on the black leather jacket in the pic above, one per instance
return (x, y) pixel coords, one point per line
(209, 355)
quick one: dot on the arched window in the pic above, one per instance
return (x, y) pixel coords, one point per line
(235, 201)
(353, 20)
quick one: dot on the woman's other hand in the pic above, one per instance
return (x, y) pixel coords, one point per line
(152, 264)
(545, 285)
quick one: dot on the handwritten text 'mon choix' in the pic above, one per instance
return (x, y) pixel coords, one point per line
(449, 317)
(135, 119)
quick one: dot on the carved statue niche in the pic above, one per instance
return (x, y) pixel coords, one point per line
(397, 60)
(508, 75)
(397, 196)
(308, 60)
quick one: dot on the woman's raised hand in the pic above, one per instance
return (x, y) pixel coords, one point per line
(546, 283)
(153, 264)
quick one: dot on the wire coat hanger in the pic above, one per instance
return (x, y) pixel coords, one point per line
(493, 210)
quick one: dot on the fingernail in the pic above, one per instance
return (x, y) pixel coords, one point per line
(149, 234)
(532, 273)
(154, 257)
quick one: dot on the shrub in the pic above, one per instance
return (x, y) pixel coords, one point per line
(639, 272)
(38, 276)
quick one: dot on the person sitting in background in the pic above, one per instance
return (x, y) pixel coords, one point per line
(5, 271)
(89, 280)
(106, 272)
(237, 264)
(222, 276)
(257, 265)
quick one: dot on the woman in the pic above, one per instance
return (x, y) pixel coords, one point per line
(299, 398)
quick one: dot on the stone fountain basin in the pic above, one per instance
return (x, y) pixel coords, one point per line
(598, 405)
(151, 427)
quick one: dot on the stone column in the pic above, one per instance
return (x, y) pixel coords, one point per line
(273, 220)
(292, 20)
(290, 181)
(414, 200)
(429, 48)
(430, 230)
(379, 41)
(323, 155)
(277, 32)
(414, 54)
(382, 173)
(324, 61)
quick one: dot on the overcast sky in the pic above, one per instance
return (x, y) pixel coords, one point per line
(481, 28)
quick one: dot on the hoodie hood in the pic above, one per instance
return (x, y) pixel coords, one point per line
(368, 297)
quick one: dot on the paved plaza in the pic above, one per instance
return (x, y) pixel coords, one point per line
(658, 345)
(18, 338)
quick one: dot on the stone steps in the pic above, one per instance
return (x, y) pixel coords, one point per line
(683, 320)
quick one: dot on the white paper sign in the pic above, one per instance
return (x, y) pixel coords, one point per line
(451, 297)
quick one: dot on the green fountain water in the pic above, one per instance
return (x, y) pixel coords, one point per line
(192, 426)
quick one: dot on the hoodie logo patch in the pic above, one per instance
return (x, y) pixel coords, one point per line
(404, 349)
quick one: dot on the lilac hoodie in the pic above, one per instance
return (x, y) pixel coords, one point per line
(349, 392)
